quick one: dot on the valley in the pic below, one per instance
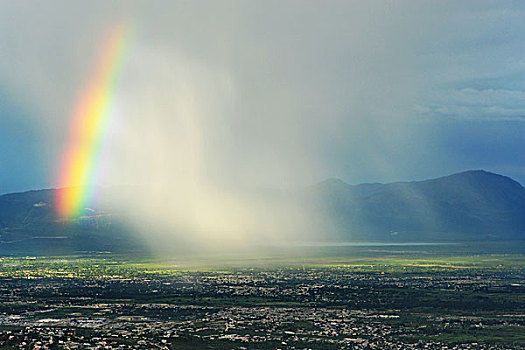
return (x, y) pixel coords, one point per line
(339, 298)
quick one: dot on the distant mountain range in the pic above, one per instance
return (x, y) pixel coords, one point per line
(472, 205)
(29, 225)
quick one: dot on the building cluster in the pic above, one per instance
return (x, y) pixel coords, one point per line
(281, 308)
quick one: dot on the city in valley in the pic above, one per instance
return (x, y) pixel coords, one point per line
(347, 298)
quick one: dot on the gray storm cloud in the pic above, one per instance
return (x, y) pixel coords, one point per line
(302, 74)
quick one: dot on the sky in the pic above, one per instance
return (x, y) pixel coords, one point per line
(266, 94)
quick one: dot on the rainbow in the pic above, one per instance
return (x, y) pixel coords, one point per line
(89, 123)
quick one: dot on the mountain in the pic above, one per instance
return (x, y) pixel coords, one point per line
(472, 205)
(29, 225)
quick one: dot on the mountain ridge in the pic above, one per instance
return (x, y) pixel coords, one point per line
(470, 205)
(335, 180)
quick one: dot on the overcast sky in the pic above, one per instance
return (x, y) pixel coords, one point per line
(269, 93)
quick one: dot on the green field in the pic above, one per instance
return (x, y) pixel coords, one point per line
(438, 297)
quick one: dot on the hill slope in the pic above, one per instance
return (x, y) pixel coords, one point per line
(470, 205)
(29, 225)
(473, 205)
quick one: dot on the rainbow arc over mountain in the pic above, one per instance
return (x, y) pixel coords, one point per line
(89, 124)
